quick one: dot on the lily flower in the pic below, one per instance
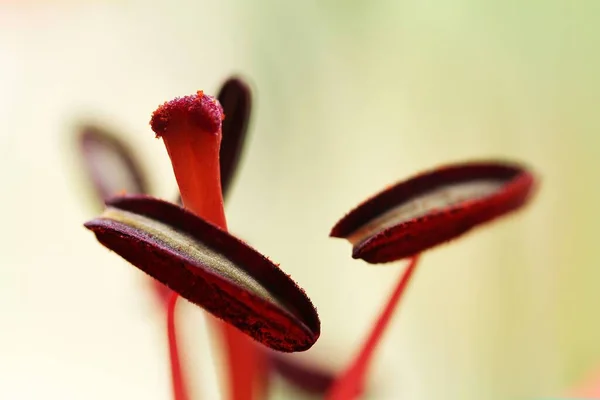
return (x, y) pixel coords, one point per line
(191, 252)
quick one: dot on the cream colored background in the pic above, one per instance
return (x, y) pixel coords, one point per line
(351, 96)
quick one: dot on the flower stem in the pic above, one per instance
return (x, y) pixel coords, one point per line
(177, 379)
(350, 384)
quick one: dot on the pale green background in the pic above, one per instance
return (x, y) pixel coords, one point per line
(351, 96)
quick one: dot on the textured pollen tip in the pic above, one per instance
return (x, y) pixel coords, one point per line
(200, 110)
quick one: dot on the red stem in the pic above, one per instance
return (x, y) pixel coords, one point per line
(350, 384)
(177, 379)
(247, 366)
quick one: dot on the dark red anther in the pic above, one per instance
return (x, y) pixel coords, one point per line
(210, 268)
(432, 208)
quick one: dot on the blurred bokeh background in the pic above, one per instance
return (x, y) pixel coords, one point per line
(351, 96)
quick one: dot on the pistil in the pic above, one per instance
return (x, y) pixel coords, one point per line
(191, 129)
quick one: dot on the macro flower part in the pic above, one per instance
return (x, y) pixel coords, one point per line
(190, 251)
(210, 268)
(236, 100)
(412, 216)
(110, 164)
(235, 97)
(432, 208)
